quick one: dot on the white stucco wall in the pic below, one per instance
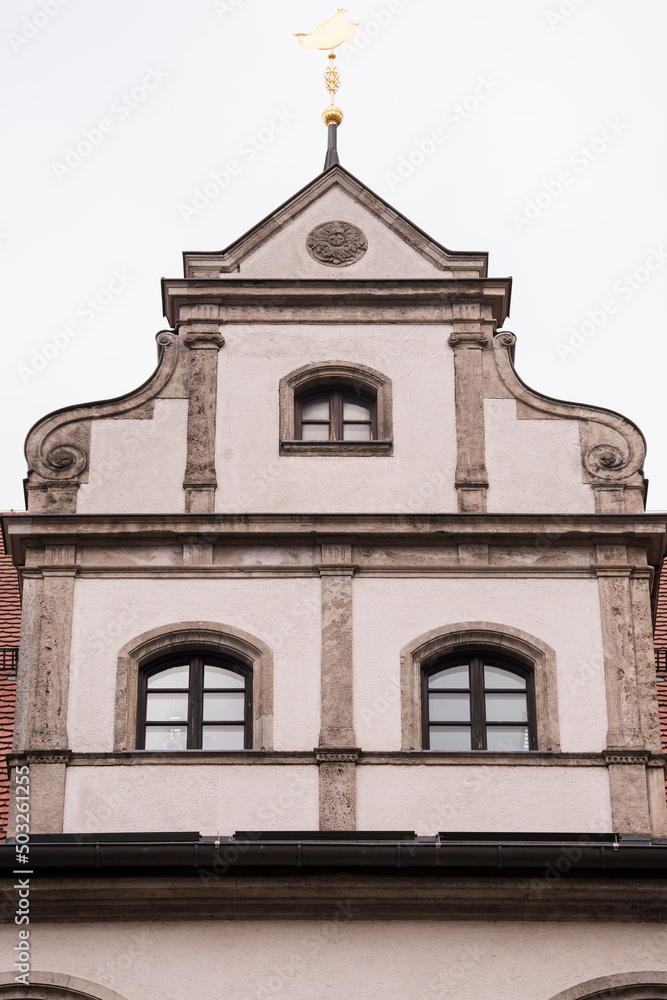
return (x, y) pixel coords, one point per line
(534, 466)
(480, 799)
(285, 614)
(327, 960)
(207, 798)
(285, 254)
(564, 613)
(137, 466)
(418, 477)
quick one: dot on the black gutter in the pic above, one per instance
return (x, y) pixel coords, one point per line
(256, 854)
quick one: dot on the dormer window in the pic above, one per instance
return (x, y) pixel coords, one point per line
(335, 415)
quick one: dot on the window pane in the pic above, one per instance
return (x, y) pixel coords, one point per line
(356, 432)
(166, 738)
(453, 677)
(315, 409)
(224, 707)
(223, 737)
(173, 677)
(354, 409)
(449, 707)
(314, 432)
(166, 707)
(506, 708)
(219, 677)
(496, 677)
(507, 738)
(450, 738)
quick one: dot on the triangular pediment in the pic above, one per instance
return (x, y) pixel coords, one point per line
(371, 240)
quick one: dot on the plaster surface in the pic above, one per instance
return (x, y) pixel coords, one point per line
(564, 613)
(419, 475)
(432, 799)
(207, 799)
(321, 960)
(285, 254)
(137, 466)
(285, 614)
(533, 465)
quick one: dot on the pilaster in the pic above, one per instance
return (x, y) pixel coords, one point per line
(337, 753)
(468, 341)
(204, 341)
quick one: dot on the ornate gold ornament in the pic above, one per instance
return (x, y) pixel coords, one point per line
(329, 35)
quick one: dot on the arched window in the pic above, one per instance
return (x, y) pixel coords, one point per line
(478, 701)
(335, 408)
(195, 701)
(337, 413)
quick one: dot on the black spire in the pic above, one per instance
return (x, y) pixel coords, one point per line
(332, 147)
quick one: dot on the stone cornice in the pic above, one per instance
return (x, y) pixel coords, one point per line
(425, 300)
(442, 897)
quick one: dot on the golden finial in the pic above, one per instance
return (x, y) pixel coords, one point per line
(329, 35)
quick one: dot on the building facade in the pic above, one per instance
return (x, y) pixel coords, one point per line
(336, 669)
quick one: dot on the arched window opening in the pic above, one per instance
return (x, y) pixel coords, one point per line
(337, 413)
(195, 701)
(478, 701)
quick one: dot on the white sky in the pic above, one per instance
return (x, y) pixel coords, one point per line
(221, 71)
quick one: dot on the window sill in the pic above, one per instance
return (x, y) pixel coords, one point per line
(336, 448)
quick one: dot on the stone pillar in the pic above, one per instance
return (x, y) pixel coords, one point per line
(337, 753)
(50, 660)
(471, 477)
(613, 574)
(204, 341)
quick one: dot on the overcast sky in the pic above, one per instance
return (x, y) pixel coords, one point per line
(534, 129)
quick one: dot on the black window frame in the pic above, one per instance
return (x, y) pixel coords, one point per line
(336, 393)
(196, 659)
(476, 660)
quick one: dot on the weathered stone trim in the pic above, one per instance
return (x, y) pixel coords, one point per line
(358, 377)
(647, 530)
(58, 446)
(179, 636)
(337, 790)
(621, 986)
(54, 986)
(624, 730)
(612, 447)
(642, 628)
(386, 897)
(629, 797)
(333, 449)
(476, 635)
(337, 690)
(370, 758)
(204, 341)
(50, 661)
(215, 265)
(343, 301)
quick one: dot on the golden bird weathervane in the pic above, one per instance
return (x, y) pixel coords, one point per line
(329, 35)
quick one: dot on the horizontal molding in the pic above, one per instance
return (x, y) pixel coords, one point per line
(337, 449)
(409, 758)
(367, 897)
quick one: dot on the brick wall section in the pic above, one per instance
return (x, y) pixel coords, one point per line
(10, 627)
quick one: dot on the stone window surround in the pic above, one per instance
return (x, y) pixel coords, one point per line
(54, 986)
(325, 374)
(182, 637)
(474, 636)
(622, 986)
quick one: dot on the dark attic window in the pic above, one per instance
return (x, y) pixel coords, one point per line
(338, 414)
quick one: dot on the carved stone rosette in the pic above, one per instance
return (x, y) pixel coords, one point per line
(336, 244)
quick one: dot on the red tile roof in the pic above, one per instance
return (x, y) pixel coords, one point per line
(10, 627)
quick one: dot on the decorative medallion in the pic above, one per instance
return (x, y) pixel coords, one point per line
(336, 244)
